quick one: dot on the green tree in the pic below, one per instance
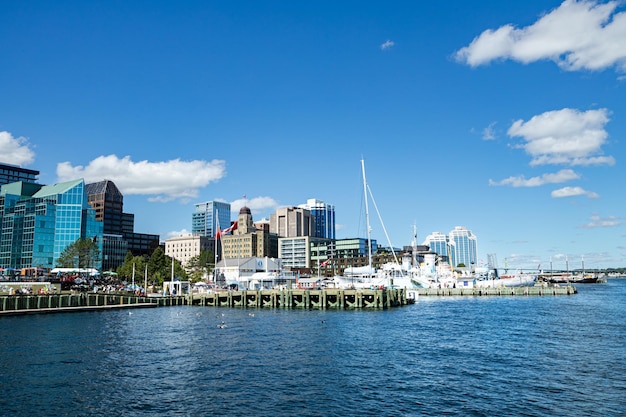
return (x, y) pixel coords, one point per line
(159, 268)
(200, 265)
(84, 253)
(136, 263)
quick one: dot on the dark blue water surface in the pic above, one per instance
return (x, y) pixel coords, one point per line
(457, 356)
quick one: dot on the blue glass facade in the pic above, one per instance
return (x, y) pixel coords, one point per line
(207, 216)
(39, 222)
(438, 242)
(463, 247)
(323, 218)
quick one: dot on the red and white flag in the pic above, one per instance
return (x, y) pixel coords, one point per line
(226, 231)
(325, 262)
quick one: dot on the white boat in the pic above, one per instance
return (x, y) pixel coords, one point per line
(366, 276)
(494, 280)
(408, 274)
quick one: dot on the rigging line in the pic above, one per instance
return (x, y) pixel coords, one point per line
(382, 224)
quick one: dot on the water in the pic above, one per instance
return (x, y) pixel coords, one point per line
(531, 356)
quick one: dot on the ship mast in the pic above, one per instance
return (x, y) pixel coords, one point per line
(367, 220)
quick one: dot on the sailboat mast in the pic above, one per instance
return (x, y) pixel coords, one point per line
(217, 238)
(172, 279)
(367, 220)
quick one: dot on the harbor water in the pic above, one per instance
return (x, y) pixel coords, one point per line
(454, 356)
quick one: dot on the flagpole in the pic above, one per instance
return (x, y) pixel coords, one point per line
(145, 281)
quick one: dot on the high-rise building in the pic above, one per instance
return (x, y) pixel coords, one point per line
(108, 202)
(39, 221)
(247, 241)
(438, 242)
(119, 235)
(463, 247)
(208, 217)
(291, 222)
(322, 217)
(13, 173)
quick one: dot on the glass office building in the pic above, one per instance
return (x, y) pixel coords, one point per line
(438, 242)
(13, 173)
(39, 222)
(463, 247)
(323, 218)
(208, 216)
(119, 235)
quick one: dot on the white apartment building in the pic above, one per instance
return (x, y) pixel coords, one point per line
(185, 247)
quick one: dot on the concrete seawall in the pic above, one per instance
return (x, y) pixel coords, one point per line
(499, 291)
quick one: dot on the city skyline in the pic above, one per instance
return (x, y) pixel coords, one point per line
(507, 119)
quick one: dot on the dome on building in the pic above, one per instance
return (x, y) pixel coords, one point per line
(245, 210)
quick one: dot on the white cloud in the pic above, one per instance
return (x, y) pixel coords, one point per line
(166, 180)
(15, 151)
(572, 192)
(387, 44)
(520, 181)
(577, 35)
(597, 221)
(489, 132)
(256, 205)
(565, 137)
(177, 233)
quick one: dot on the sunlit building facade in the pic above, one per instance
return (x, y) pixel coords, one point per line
(185, 247)
(208, 217)
(463, 247)
(291, 222)
(322, 218)
(39, 222)
(118, 227)
(437, 242)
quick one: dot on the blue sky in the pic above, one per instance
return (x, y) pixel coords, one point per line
(507, 118)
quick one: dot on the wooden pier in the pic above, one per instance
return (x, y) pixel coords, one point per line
(330, 298)
(288, 299)
(60, 303)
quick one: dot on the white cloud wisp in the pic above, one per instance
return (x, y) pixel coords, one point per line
(563, 175)
(597, 221)
(386, 45)
(572, 192)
